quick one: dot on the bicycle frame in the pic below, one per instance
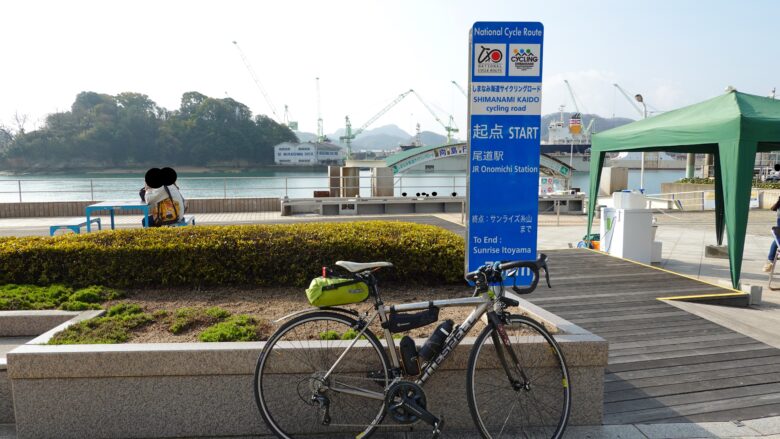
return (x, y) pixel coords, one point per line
(481, 303)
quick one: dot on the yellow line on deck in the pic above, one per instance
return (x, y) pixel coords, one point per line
(704, 296)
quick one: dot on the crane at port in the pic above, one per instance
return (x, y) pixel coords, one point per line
(577, 107)
(630, 101)
(287, 122)
(271, 106)
(320, 126)
(690, 163)
(449, 128)
(460, 89)
(350, 135)
(573, 96)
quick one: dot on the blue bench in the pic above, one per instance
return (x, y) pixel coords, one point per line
(188, 220)
(74, 224)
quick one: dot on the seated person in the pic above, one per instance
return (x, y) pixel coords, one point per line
(774, 175)
(163, 197)
(169, 177)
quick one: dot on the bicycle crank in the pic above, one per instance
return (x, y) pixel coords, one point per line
(405, 401)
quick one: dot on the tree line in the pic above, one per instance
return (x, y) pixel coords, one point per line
(130, 129)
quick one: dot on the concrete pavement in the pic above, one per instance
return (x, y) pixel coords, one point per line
(684, 236)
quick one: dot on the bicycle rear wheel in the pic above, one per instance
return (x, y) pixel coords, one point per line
(294, 395)
(531, 399)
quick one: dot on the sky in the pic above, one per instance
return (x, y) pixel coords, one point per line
(367, 52)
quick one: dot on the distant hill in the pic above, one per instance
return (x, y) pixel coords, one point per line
(430, 138)
(305, 137)
(601, 123)
(389, 137)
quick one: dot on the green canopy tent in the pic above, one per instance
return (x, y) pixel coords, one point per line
(733, 127)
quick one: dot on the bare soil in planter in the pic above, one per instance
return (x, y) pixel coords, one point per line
(268, 304)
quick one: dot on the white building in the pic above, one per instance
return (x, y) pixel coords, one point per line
(309, 153)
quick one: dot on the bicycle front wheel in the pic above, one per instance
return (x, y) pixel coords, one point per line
(520, 389)
(307, 381)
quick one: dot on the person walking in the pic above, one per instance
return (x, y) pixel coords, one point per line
(769, 265)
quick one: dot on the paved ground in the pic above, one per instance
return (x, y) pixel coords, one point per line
(7, 344)
(684, 236)
(767, 428)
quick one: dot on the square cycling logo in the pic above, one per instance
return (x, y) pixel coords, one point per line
(524, 59)
(489, 59)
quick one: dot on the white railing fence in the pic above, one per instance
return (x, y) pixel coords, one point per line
(99, 189)
(694, 200)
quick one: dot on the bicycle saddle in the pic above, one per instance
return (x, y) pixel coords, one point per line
(355, 267)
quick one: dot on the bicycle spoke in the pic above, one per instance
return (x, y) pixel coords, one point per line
(293, 390)
(503, 426)
(537, 408)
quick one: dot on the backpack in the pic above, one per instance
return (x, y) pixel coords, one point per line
(167, 211)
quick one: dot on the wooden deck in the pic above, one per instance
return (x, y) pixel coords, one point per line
(665, 365)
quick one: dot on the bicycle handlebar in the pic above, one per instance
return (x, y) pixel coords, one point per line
(492, 273)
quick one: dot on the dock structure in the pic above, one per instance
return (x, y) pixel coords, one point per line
(665, 364)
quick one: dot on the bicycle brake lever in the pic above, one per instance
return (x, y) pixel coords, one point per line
(542, 264)
(547, 276)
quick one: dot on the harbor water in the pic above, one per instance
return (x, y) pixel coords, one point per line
(261, 184)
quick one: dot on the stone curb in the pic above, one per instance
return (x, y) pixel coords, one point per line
(31, 323)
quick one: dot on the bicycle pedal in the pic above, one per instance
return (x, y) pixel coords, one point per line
(437, 427)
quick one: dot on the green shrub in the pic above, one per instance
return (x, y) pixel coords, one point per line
(764, 185)
(75, 305)
(217, 313)
(696, 180)
(756, 184)
(85, 295)
(102, 330)
(330, 335)
(237, 328)
(183, 318)
(124, 309)
(271, 255)
(186, 318)
(349, 334)
(23, 297)
(95, 294)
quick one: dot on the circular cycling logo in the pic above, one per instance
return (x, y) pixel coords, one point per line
(494, 55)
(490, 59)
(524, 59)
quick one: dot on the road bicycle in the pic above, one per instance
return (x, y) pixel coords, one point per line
(324, 371)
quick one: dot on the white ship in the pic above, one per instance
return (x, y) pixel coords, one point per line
(571, 144)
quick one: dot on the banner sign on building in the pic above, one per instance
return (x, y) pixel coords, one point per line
(505, 104)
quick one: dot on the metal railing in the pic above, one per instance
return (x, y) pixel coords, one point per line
(98, 189)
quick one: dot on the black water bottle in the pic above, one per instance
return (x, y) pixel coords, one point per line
(409, 356)
(435, 343)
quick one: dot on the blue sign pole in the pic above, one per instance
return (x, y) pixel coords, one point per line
(505, 105)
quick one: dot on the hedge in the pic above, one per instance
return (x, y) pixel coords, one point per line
(265, 255)
(755, 184)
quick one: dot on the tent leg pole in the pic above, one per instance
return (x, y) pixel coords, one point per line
(690, 165)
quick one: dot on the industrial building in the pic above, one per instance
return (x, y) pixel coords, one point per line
(308, 153)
